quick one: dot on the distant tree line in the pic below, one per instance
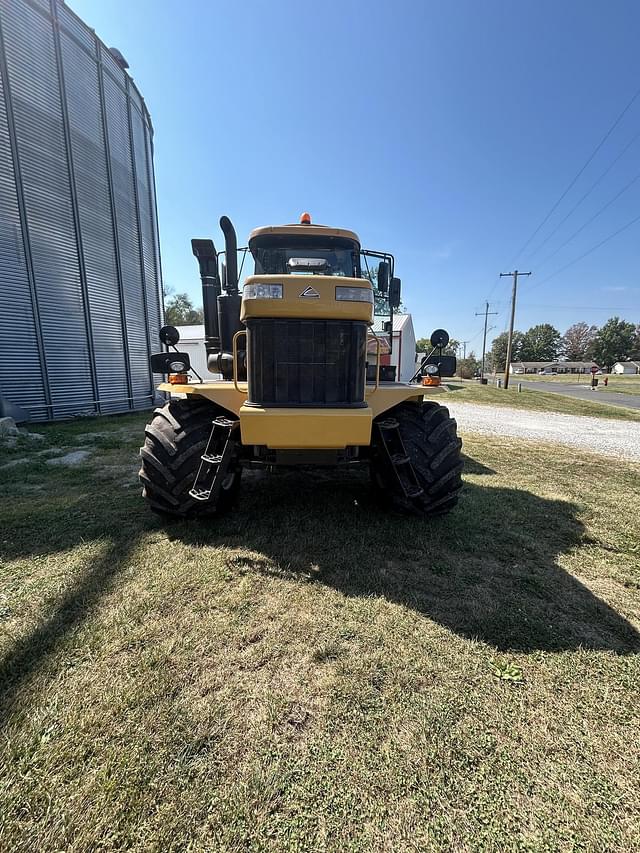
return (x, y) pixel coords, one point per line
(616, 340)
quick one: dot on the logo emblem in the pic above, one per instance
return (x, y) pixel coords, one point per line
(310, 293)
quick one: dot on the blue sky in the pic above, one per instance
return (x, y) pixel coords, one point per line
(440, 131)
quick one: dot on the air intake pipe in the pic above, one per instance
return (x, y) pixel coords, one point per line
(205, 252)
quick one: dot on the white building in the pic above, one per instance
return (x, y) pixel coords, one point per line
(552, 366)
(403, 354)
(192, 342)
(626, 367)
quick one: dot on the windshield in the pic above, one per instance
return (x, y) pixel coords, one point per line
(305, 261)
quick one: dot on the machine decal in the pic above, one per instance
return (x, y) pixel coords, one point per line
(310, 293)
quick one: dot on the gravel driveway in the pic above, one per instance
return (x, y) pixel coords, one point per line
(617, 439)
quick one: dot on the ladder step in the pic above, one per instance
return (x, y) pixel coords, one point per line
(200, 494)
(212, 460)
(390, 423)
(399, 459)
(414, 491)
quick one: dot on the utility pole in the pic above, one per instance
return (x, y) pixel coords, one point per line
(515, 275)
(486, 313)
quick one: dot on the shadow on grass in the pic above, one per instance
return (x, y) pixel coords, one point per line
(488, 570)
(30, 653)
(472, 466)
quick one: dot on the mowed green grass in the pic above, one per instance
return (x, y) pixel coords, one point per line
(537, 401)
(620, 384)
(311, 673)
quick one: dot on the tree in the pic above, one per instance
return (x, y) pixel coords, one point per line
(541, 343)
(614, 342)
(424, 345)
(179, 311)
(468, 367)
(578, 342)
(499, 350)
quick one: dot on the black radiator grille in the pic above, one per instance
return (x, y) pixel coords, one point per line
(306, 362)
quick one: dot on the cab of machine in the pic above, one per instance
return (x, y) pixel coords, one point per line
(304, 271)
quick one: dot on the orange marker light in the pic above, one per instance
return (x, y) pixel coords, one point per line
(305, 219)
(179, 378)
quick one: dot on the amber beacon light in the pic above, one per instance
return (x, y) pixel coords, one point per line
(305, 219)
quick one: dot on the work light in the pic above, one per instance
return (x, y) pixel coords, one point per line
(262, 291)
(354, 294)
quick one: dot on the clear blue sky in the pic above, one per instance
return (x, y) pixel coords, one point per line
(440, 131)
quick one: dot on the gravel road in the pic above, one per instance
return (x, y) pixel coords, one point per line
(616, 439)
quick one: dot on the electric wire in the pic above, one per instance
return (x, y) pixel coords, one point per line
(587, 194)
(590, 220)
(584, 254)
(577, 176)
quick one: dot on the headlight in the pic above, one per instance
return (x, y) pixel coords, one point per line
(431, 369)
(354, 294)
(262, 291)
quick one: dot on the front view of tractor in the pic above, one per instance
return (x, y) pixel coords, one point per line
(302, 379)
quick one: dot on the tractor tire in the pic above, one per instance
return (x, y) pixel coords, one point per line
(175, 439)
(430, 438)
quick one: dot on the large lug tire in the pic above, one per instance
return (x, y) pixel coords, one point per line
(430, 438)
(175, 439)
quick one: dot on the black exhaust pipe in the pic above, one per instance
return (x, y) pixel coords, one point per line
(231, 259)
(205, 252)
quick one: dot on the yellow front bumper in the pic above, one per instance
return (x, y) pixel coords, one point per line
(297, 429)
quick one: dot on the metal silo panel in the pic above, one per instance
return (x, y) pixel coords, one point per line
(128, 239)
(154, 208)
(18, 340)
(79, 255)
(147, 222)
(96, 224)
(33, 76)
(73, 25)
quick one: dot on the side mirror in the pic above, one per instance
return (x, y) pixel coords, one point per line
(439, 338)
(383, 277)
(394, 293)
(169, 335)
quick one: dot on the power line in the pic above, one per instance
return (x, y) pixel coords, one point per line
(590, 220)
(573, 182)
(588, 252)
(495, 284)
(588, 193)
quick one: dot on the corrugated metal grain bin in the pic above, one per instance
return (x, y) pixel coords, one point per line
(80, 280)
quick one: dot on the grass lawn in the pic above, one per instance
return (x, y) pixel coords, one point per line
(538, 401)
(310, 673)
(619, 384)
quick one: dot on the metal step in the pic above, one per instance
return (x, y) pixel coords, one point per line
(398, 459)
(215, 461)
(212, 460)
(200, 494)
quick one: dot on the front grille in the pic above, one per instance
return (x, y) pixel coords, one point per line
(311, 363)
